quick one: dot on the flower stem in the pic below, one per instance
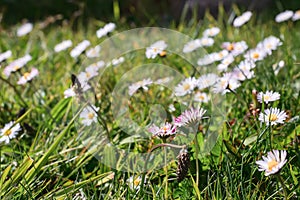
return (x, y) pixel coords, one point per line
(279, 177)
(196, 157)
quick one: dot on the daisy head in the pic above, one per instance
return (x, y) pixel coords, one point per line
(191, 116)
(163, 132)
(155, 49)
(211, 32)
(28, 76)
(9, 131)
(241, 20)
(267, 97)
(89, 115)
(274, 161)
(272, 116)
(186, 86)
(284, 16)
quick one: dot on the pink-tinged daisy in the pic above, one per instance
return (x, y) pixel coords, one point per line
(140, 84)
(284, 16)
(241, 20)
(267, 97)
(272, 116)
(274, 161)
(186, 86)
(206, 80)
(63, 46)
(16, 65)
(5, 55)
(156, 49)
(211, 32)
(201, 97)
(296, 15)
(9, 132)
(28, 76)
(163, 132)
(88, 115)
(108, 28)
(79, 48)
(191, 116)
(24, 29)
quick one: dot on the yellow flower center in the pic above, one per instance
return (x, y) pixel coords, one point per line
(186, 86)
(163, 53)
(16, 67)
(272, 164)
(91, 115)
(164, 129)
(136, 182)
(266, 98)
(255, 55)
(88, 75)
(230, 47)
(26, 75)
(273, 117)
(7, 132)
(201, 97)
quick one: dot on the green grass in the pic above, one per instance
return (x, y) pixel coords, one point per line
(47, 160)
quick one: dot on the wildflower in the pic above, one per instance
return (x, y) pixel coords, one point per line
(5, 55)
(255, 54)
(211, 32)
(186, 86)
(226, 83)
(242, 74)
(28, 76)
(220, 55)
(206, 80)
(225, 63)
(24, 29)
(269, 44)
(241, 20)
(87, 75)
(117, 61)
(274, 161)
(134, 183)
(284, 16)
(156, 49)
(183, 164)
(190, 117)
(63, 45)
(70, 92)
(206, 60)
(96, 66)
(296, 15)
(201, 97)
(93, 52)
(110, 27)
(192, 46)
(89, 115)
(277, 66)
(235, 48)
(272, 116)
(16, 65)
(267, 97)
(140, 84)
(206, 41)
(79, 48)
(9, 131)
(163, 132)
(246, 65)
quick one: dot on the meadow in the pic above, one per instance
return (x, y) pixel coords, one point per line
(201, 109)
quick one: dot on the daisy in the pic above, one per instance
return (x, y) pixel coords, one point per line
(274, 161)
(272, 116)
(93, 52)
(156, 49)
(70, 92)
(186, 86)
(206, 41)
(5, 55)
(269, 44)
(9, 131)
(117, 61)
(87, 74)
(267, 97)
(206, 80)
(284, 16)
(140, 84)
(277, 66)
(206, 60)
(225, 63)
(211, 32)
(226, 83)
(190, 116)
(96, 66)
(79, 48)
(16, 65)
(192, 46)
(134, 183)
(24, 29)
(255, 54)
(89, 115)
(246, 65)
(63, 46)
(220, 55)
(110, 27)
(241, 20)
(163, 132)
(28, 76)
(201, 97)
(242, 74)
(296, 15)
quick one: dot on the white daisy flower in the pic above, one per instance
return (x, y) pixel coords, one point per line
(274, 161)
(225, 63)
(246, 65)
(5, 55)
(206, 41)
(220, 55)
(242, 74)
(163, 132)
(110, 27)
(24, 29)
(28, 76)
(190, 117)
(140, 84)
(255, 54)
(156, 49)
(272, 116)
(93, 52)
(9, 131)
(201, 97)
(186, 86)
(206, 60)
(76, 51)
(284, 16)
(241, 20)
(211, 32)
(134, 183)
(63, 45)
(89, 115)
(235, 48)
(226, 83)
(88, 74)
(16, 65)
(267, 97)
(117, 61)
(70, 92)
(192, 46)
(96, 66)
(269, 44)
(277, 66)
(206, 81)
(296, 15)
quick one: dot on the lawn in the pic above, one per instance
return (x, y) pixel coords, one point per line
(200, 109)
